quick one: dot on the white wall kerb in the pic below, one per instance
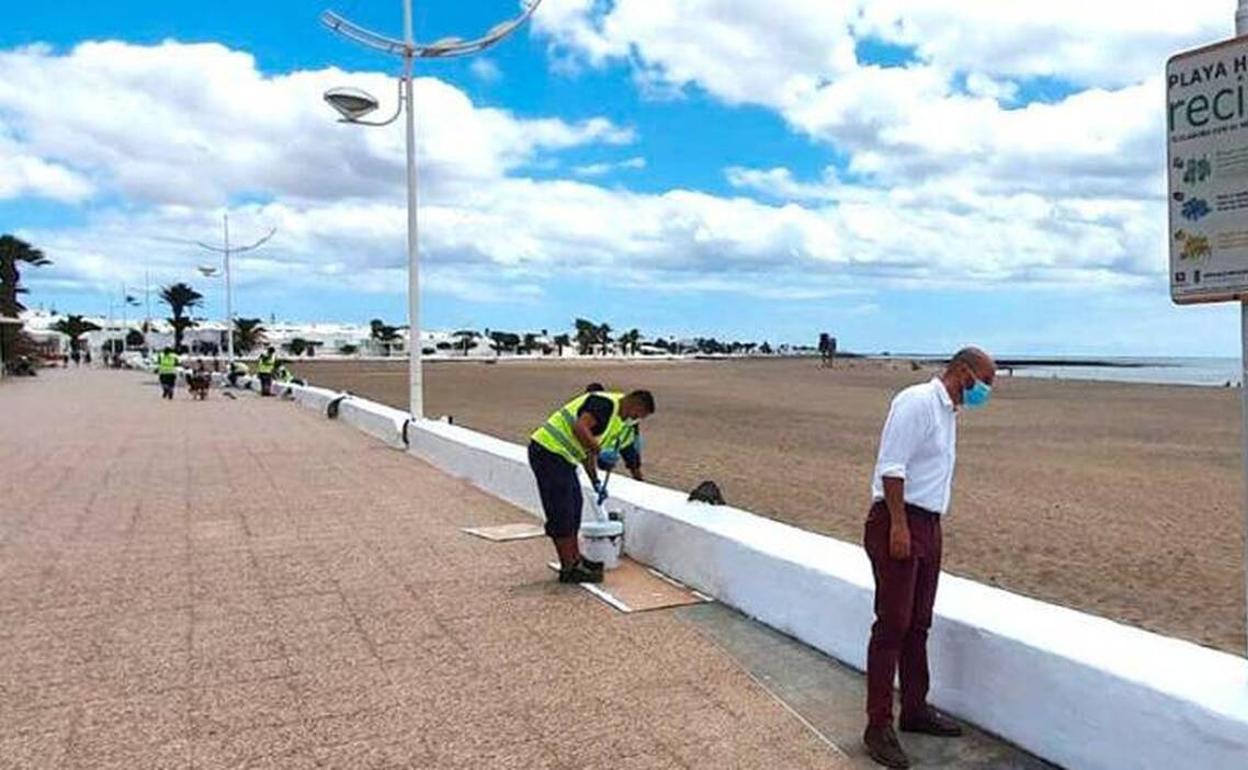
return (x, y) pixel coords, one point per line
(1078, 690)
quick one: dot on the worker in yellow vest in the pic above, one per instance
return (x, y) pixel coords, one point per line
(264, 369)
(167, 371)
(238, 369)
(627, 447)
(574, 436)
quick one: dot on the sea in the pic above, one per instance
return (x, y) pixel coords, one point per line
(1210, 372)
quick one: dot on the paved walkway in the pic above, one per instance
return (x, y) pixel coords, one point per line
(244, 584)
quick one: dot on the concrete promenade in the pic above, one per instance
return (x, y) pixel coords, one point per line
(241, 583)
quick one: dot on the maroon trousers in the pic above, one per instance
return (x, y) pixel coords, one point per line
(905, 591)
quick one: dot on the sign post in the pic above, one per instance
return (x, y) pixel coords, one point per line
(1207, 169)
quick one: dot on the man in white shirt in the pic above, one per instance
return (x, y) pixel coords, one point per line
(910, 490)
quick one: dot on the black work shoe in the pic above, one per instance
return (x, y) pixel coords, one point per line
(577, 573)
(930, 722)
(883, 746)
(591, 565)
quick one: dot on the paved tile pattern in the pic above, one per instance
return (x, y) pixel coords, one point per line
(831, 695)
(245, 584)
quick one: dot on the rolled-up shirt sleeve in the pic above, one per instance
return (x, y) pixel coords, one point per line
(906, 426)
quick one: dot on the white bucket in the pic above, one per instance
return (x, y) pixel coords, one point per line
(602, 541)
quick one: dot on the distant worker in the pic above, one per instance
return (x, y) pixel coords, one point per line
(264, 370)
(237, 369)
(827, 351)
(167, 371)
(911, 489)
(627, 446)
(287, 377)
(199, 381)
(574, 435)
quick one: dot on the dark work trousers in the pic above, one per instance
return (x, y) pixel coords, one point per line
(905, 591)
(266, 384)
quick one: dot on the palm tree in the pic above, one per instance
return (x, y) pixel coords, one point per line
(180, 297)
(603, 335)
(248, 334)
(14, 251)
(467, 337)
(562, 341)
(630, 339)
(74, 327)
(586, 335)
(386, 335)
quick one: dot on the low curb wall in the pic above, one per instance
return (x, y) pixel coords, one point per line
(1078, 690)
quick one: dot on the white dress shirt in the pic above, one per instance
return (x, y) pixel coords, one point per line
(919, 445)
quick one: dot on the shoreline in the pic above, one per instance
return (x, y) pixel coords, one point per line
(1015, 368)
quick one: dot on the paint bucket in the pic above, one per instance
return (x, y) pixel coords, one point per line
(602, 541)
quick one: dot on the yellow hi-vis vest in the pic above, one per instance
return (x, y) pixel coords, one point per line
(167, 363)
(264, 365)
(556, 433)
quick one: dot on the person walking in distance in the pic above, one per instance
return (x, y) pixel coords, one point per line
(167, 371)
(264, 369)
(911, 490)
(573, 436)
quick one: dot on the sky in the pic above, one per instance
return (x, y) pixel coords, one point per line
(908, 175)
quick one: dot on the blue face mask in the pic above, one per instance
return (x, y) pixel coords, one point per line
(977, 395)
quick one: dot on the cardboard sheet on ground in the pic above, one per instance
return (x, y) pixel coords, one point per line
(506, 532)
(633, 587)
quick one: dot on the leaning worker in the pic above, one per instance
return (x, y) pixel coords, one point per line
(238, 369)
(287, 377)
(574, 436)
(264, 369)
(911, 489)
(626, 447)
(167, 372)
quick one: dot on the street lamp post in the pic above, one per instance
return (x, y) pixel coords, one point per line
(353, 104)
(225, 250)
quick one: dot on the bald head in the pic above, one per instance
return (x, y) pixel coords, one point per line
(978, 361)
(966, 367)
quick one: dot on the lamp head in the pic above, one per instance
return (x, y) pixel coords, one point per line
(208, 271)
(351, 103)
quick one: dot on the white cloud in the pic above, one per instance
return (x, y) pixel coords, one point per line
(485, 70)
(916, 207)
(780, 183)
(22, 174)
(797, 57)
(194, 124)
(1110, 43)
(946, 164)
(600, 169)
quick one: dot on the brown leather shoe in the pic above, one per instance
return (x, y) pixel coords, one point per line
(931, 722)
(884, 748)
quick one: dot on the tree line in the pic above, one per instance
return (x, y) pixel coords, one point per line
(588, 338)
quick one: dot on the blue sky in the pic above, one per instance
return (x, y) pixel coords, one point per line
(908, 176)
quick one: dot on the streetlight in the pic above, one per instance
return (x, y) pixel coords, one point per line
(354, 105)
(209, 271)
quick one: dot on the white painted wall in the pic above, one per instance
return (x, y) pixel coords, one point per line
(1081, 691)
(380, 422)
(1078, 690)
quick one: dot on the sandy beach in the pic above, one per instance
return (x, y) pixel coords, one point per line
(1120, 500)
